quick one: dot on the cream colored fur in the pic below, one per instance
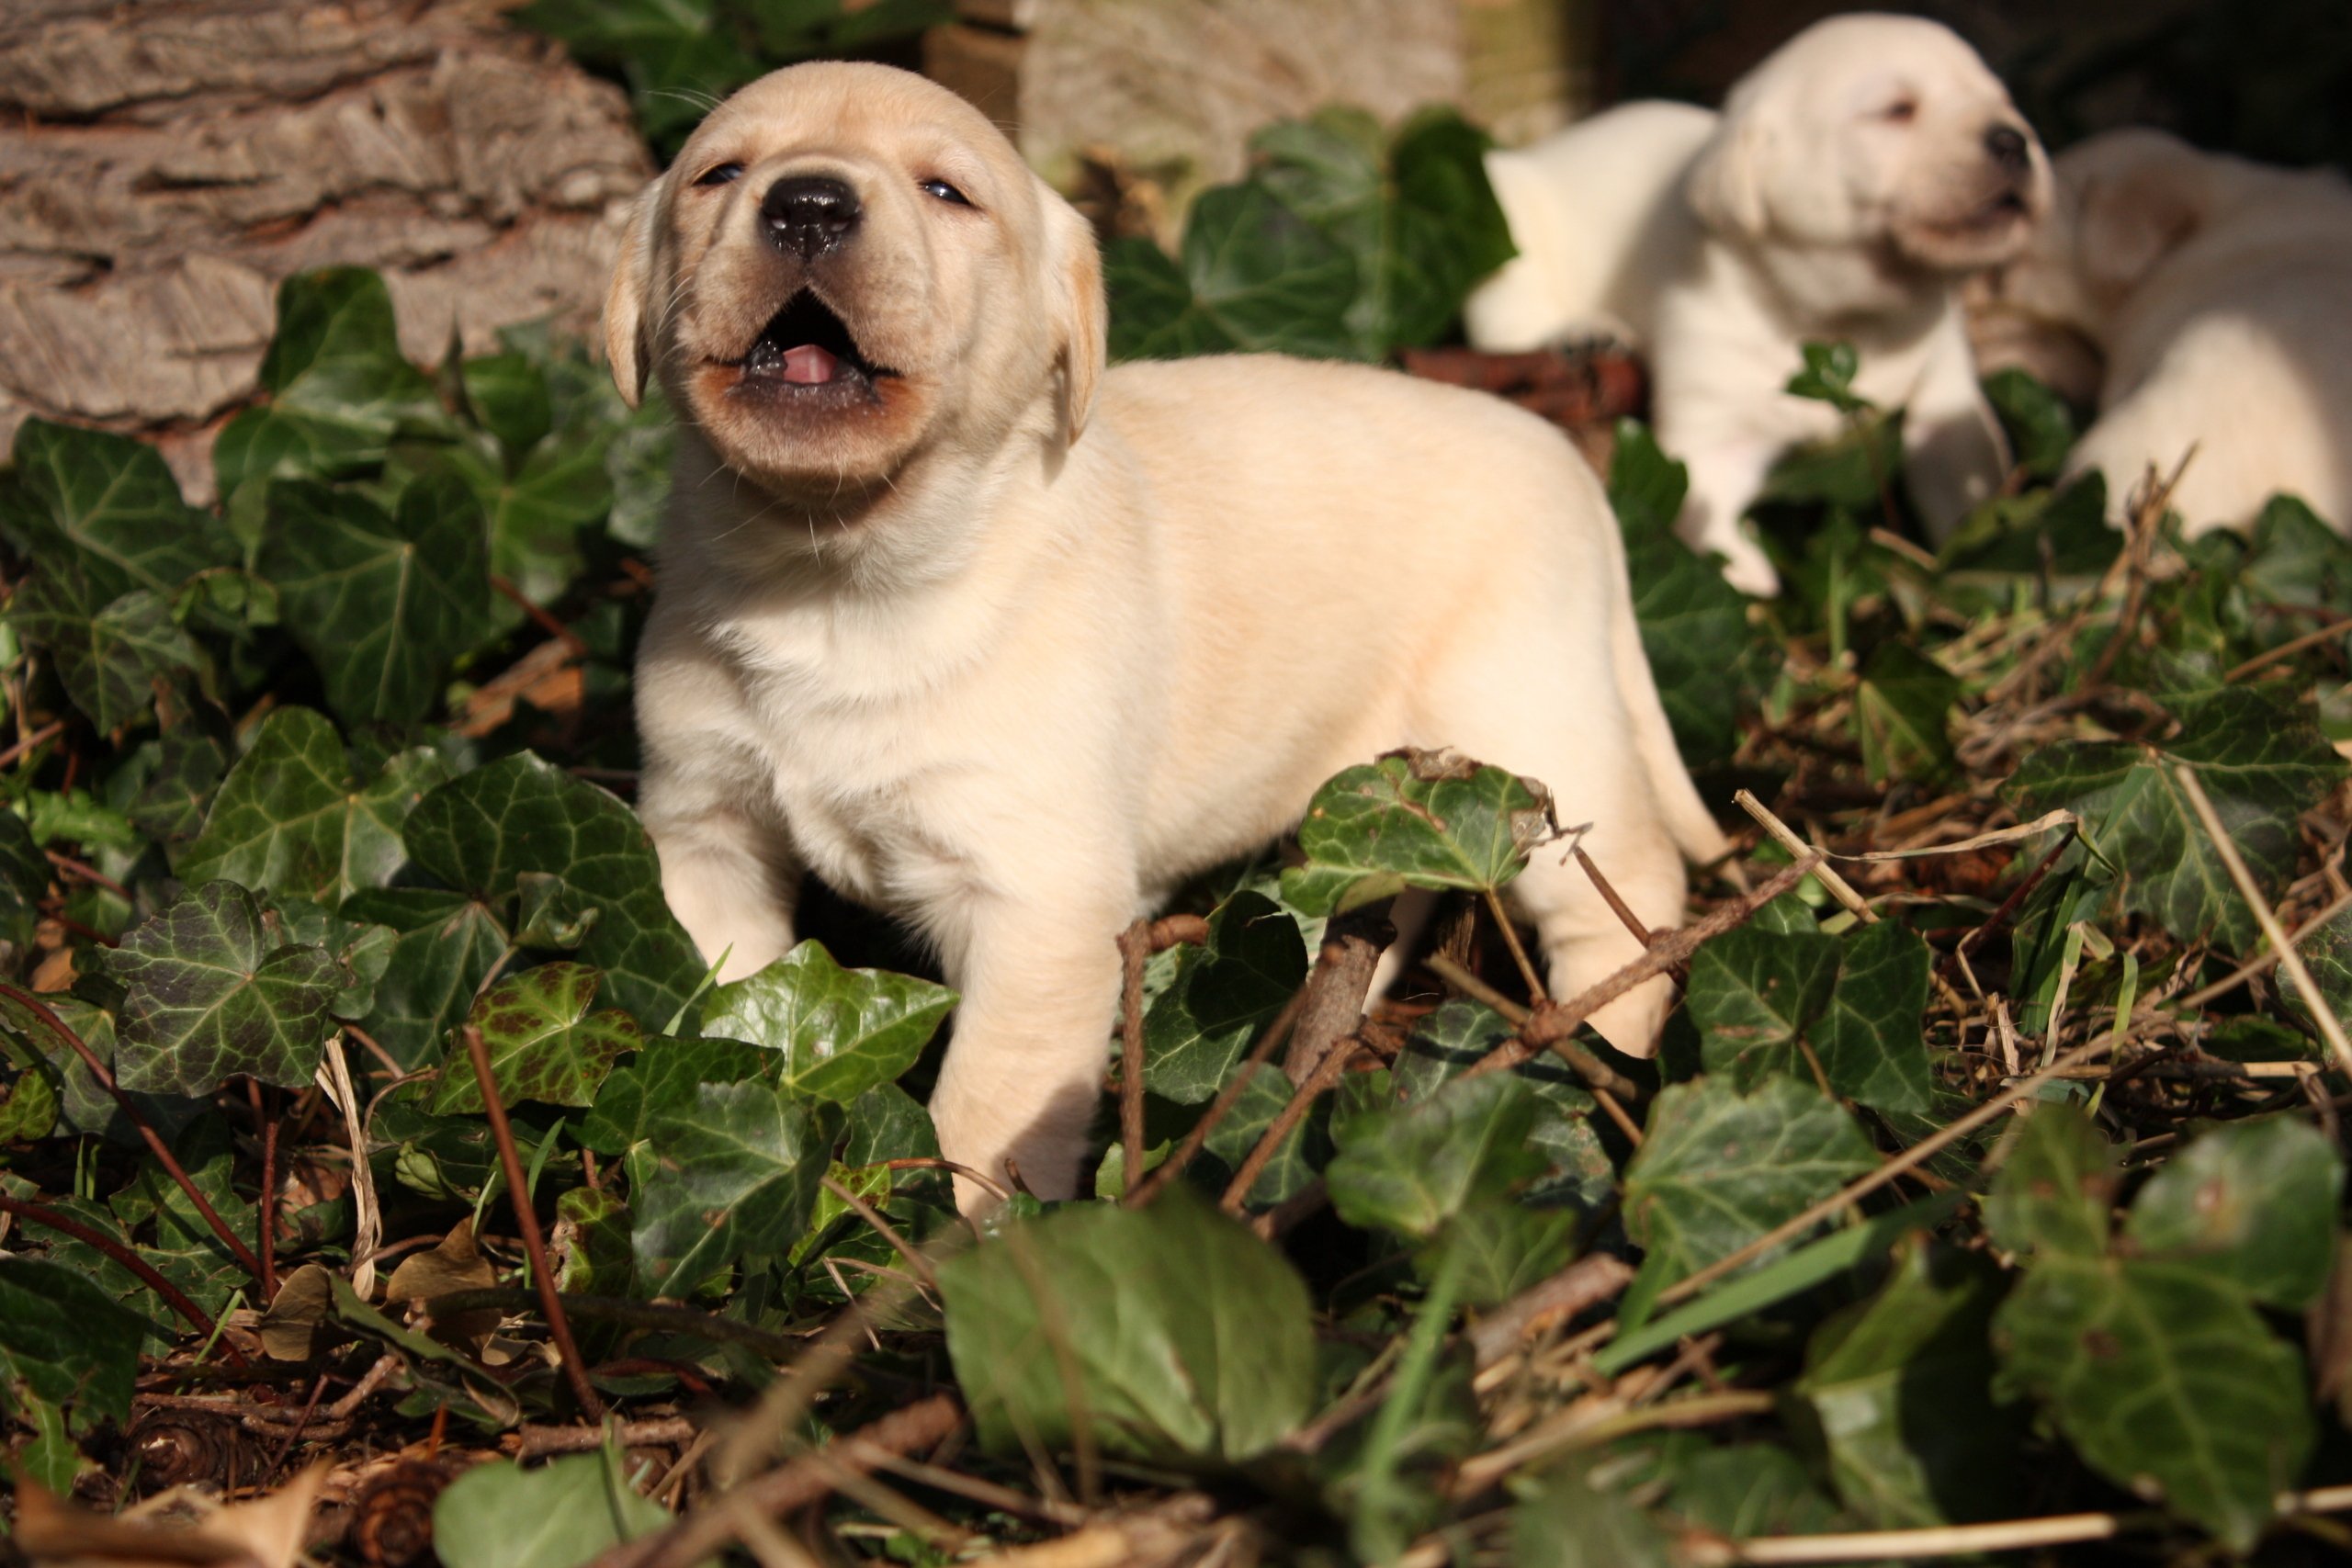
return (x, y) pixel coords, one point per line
(1013, 651)
(2220, 292)
(1846, 189)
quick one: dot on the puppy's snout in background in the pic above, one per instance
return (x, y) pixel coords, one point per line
(807, 213)
(2007, 145)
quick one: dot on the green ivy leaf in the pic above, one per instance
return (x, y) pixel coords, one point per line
(1827, 377)
(109, 653)
(545, 1043)
(507, 394)
(840, 1031)
(1224, 993)
(1754, 992)
(660, 1081)
(1188, 1336)
(106, 507)
(1872, 1039)
(1717, 1169)
(292, 820)
(1903, 706)
(186, 769)
(1693, 624)
(1411, 1169)
(733, 1173)
(559, 1514)
(2040, 425)
(1254, 276)
(2252, 1204)
(2056, 1184)
(1414, 819)
(1896, 1395)
(2165, 1380)
(1292, 1166)
(2262, 763)
(209, 993)
(381, 602)
(480, 832)
(64, 1342)
(444, 945)
(24, 880)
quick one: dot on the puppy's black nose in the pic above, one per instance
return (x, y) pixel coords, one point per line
(2006, 146)
(809, 213)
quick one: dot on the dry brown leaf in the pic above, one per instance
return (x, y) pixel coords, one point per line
(265, 1533)
(456, 1265)
(290, 1330)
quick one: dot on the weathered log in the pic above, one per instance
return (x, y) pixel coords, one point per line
(163, 163)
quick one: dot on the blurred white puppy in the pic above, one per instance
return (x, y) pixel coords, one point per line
(1851, 181)
(2221, 293)
(916, 634)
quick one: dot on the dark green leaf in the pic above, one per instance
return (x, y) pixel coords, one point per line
(1694, 625)
(109, 653)
(545, 1043)
(1417, 818)
(2040, 427)
(1827, 377)
(1570, 1520)
(559, 1514)
(1411, 1169)
(1226, 991)
(1753, 993)
(1896, 1394)
(291, 820)
(1717, 1169)
(735, 1172)
(340, 386)
(1254, 276)
(444, 947)
(841, 1032)
(1292, 1166)
(2252, 1204)
(380, 602)
(2056, 1184)
(480, 832)
(106, 507)
(1903, 706)
(211, 992)
(1871, 1041)
(62, 1342)
(1186, 1336)
(2165, 1380)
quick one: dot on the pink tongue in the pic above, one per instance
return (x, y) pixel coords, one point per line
(809, 364)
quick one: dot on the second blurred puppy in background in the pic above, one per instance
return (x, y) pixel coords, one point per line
(1850, 183)
(2220, 292)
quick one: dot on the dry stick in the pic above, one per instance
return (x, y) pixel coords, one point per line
(333, 1078)
(2007, 908)
(2287, 650)
(527, 1221)
(99, 1070)
(1325, 1076)
(40, 1214)
(1786, 836)
(1552, 1027)
(865, 1211)
(88, 874)
(2253, 966)
(42, 737)
(542, 618)
(1135, 946)
(1854, 1192)
(1353, 943)
(2145, 518)
(1998, 1535)
(1518, 952)
(708, 1529)
(1610, 1088)
(266, 1209)
(932, 1162)
(1172, 1168)
(1608, 896)
(2331, 1027)
(1589, 1280)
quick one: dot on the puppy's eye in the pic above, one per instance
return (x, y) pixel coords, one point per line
(1901, 111)
(945, 192)
(721, 174)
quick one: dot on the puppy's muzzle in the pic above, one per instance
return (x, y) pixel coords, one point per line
(807, 213)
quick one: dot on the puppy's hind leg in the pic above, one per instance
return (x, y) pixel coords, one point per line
(1568, 729)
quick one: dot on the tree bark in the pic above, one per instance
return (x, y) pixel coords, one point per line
(164, 163)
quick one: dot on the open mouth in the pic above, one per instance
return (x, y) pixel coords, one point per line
(1999, 211)
(804, 346)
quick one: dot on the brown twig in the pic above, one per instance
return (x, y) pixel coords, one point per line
(794, 1484)
(156, 1145)
(1586, 1282)
(539, 617)
(88, 874)
(537, 1442)
(527, 1222)
(881, 1227)
(1327, 1073)
(1610, 896)
(1168, 1170)
(1957, 959)
(42, 737)
(1135, 949)
(1336, 989)
(41, 1214)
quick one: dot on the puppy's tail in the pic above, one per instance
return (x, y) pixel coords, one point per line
(1687, 817)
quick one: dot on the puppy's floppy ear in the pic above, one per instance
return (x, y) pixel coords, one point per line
(2131, 220)
(1725, 185)
(1080, 315)
(628, 346)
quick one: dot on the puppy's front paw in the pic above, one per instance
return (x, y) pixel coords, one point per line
(1745, 569)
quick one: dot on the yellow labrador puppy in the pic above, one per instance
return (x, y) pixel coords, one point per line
(1006, 644)
(1851, 181)
(2220, 292)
